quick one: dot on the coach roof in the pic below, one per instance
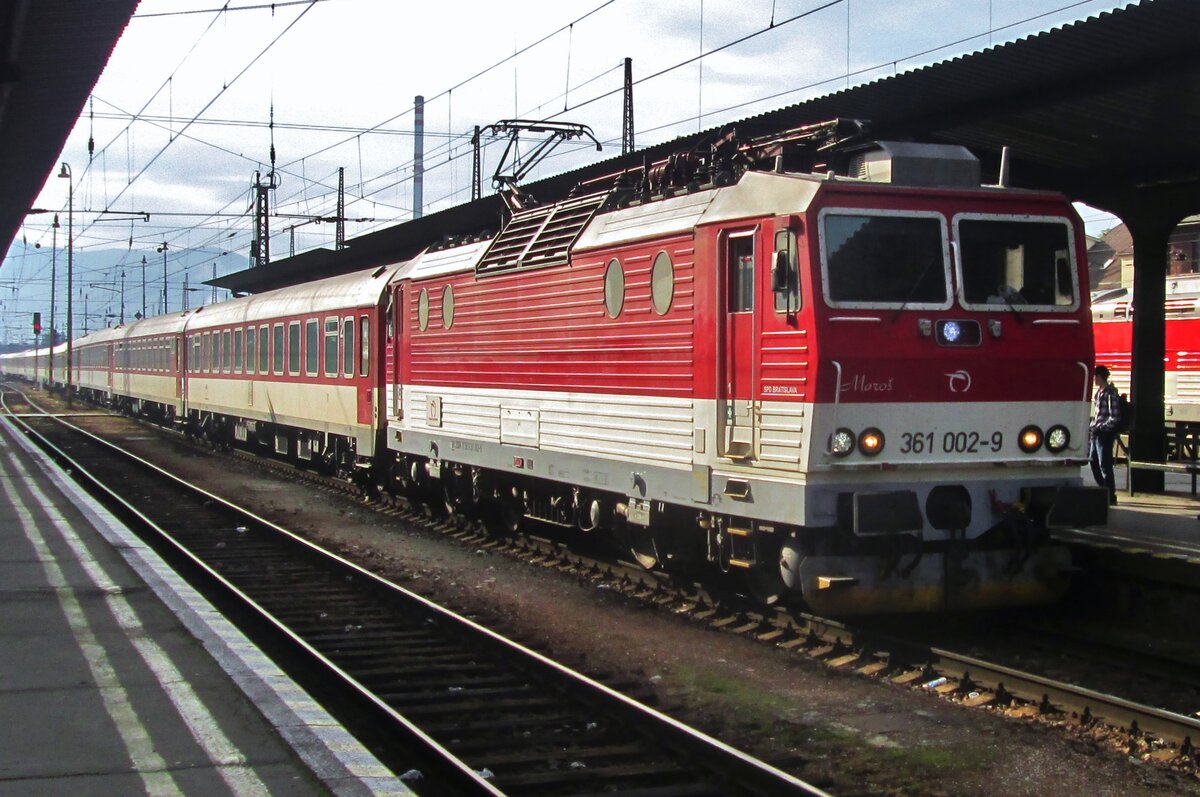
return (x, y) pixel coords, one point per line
(360, 289)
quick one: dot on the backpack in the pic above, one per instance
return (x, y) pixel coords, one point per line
(1125, 408)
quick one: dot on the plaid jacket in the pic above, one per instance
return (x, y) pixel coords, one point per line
(1106, 410)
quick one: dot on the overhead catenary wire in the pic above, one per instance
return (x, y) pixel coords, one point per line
(369, 186)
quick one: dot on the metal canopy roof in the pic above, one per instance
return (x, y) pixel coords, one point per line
(1106, 110)
(51, 54)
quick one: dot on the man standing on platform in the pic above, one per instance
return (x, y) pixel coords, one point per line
(1106, 422)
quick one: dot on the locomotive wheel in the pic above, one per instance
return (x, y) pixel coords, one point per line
(642, 545)
(499, 518)
(453, 500)
(764, 583)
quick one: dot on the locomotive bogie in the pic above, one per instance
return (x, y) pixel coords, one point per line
(925, 581)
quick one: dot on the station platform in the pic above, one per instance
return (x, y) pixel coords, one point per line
(1162, 525)
(117, 678)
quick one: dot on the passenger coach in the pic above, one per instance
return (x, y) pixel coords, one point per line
(293, 371)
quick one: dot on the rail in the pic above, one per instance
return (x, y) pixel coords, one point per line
(436, 685)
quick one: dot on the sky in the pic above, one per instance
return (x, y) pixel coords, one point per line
(180, 116)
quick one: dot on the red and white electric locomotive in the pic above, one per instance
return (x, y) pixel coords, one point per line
(870, 390)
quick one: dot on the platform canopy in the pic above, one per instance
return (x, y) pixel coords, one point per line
(51, 54)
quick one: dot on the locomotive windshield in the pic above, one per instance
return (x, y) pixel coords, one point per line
(885, 260)
(1006, 264)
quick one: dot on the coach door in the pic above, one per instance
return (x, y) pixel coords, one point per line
(393, 382)
(736, 405)
(124, 359)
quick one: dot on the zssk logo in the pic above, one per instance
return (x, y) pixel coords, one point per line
(960, 381)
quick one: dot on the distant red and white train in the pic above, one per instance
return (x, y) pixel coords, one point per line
(1112, 320)
(864, 381)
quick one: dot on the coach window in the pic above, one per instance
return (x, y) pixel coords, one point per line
(264, 352)
(423, 310)
(312, 346)
(331, 347)
(206, 353)
(293, 348)
(614, 288)
(251, 337)
(194, 365)
(215, 365)
(662, 283)
(238, 354)
(226, 352)
(364, 338)
(347, 347)
(277, 337)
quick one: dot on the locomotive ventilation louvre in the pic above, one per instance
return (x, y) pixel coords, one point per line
(540, 236)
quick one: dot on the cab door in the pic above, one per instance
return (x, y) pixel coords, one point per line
(737, 408)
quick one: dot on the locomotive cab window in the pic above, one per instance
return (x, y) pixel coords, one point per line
(785, 272)
(877, 260)
(1010, 264)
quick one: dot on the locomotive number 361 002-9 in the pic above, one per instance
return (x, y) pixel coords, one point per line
(951, 442)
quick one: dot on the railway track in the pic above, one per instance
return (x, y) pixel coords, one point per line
(1136, 728)
(979, 681)
(432, 692)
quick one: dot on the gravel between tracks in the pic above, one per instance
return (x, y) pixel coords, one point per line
(852, 736)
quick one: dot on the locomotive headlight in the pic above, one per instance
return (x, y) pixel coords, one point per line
(870, 442)
(1030, 439)
(951, 331)
(841, 443)
(1057, 439)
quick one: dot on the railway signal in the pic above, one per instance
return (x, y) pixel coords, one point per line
(37, 323)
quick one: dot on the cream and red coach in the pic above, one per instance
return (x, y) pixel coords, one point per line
(295, 371)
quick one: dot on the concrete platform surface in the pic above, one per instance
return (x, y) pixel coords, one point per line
(117, 678)
(1163, 524)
